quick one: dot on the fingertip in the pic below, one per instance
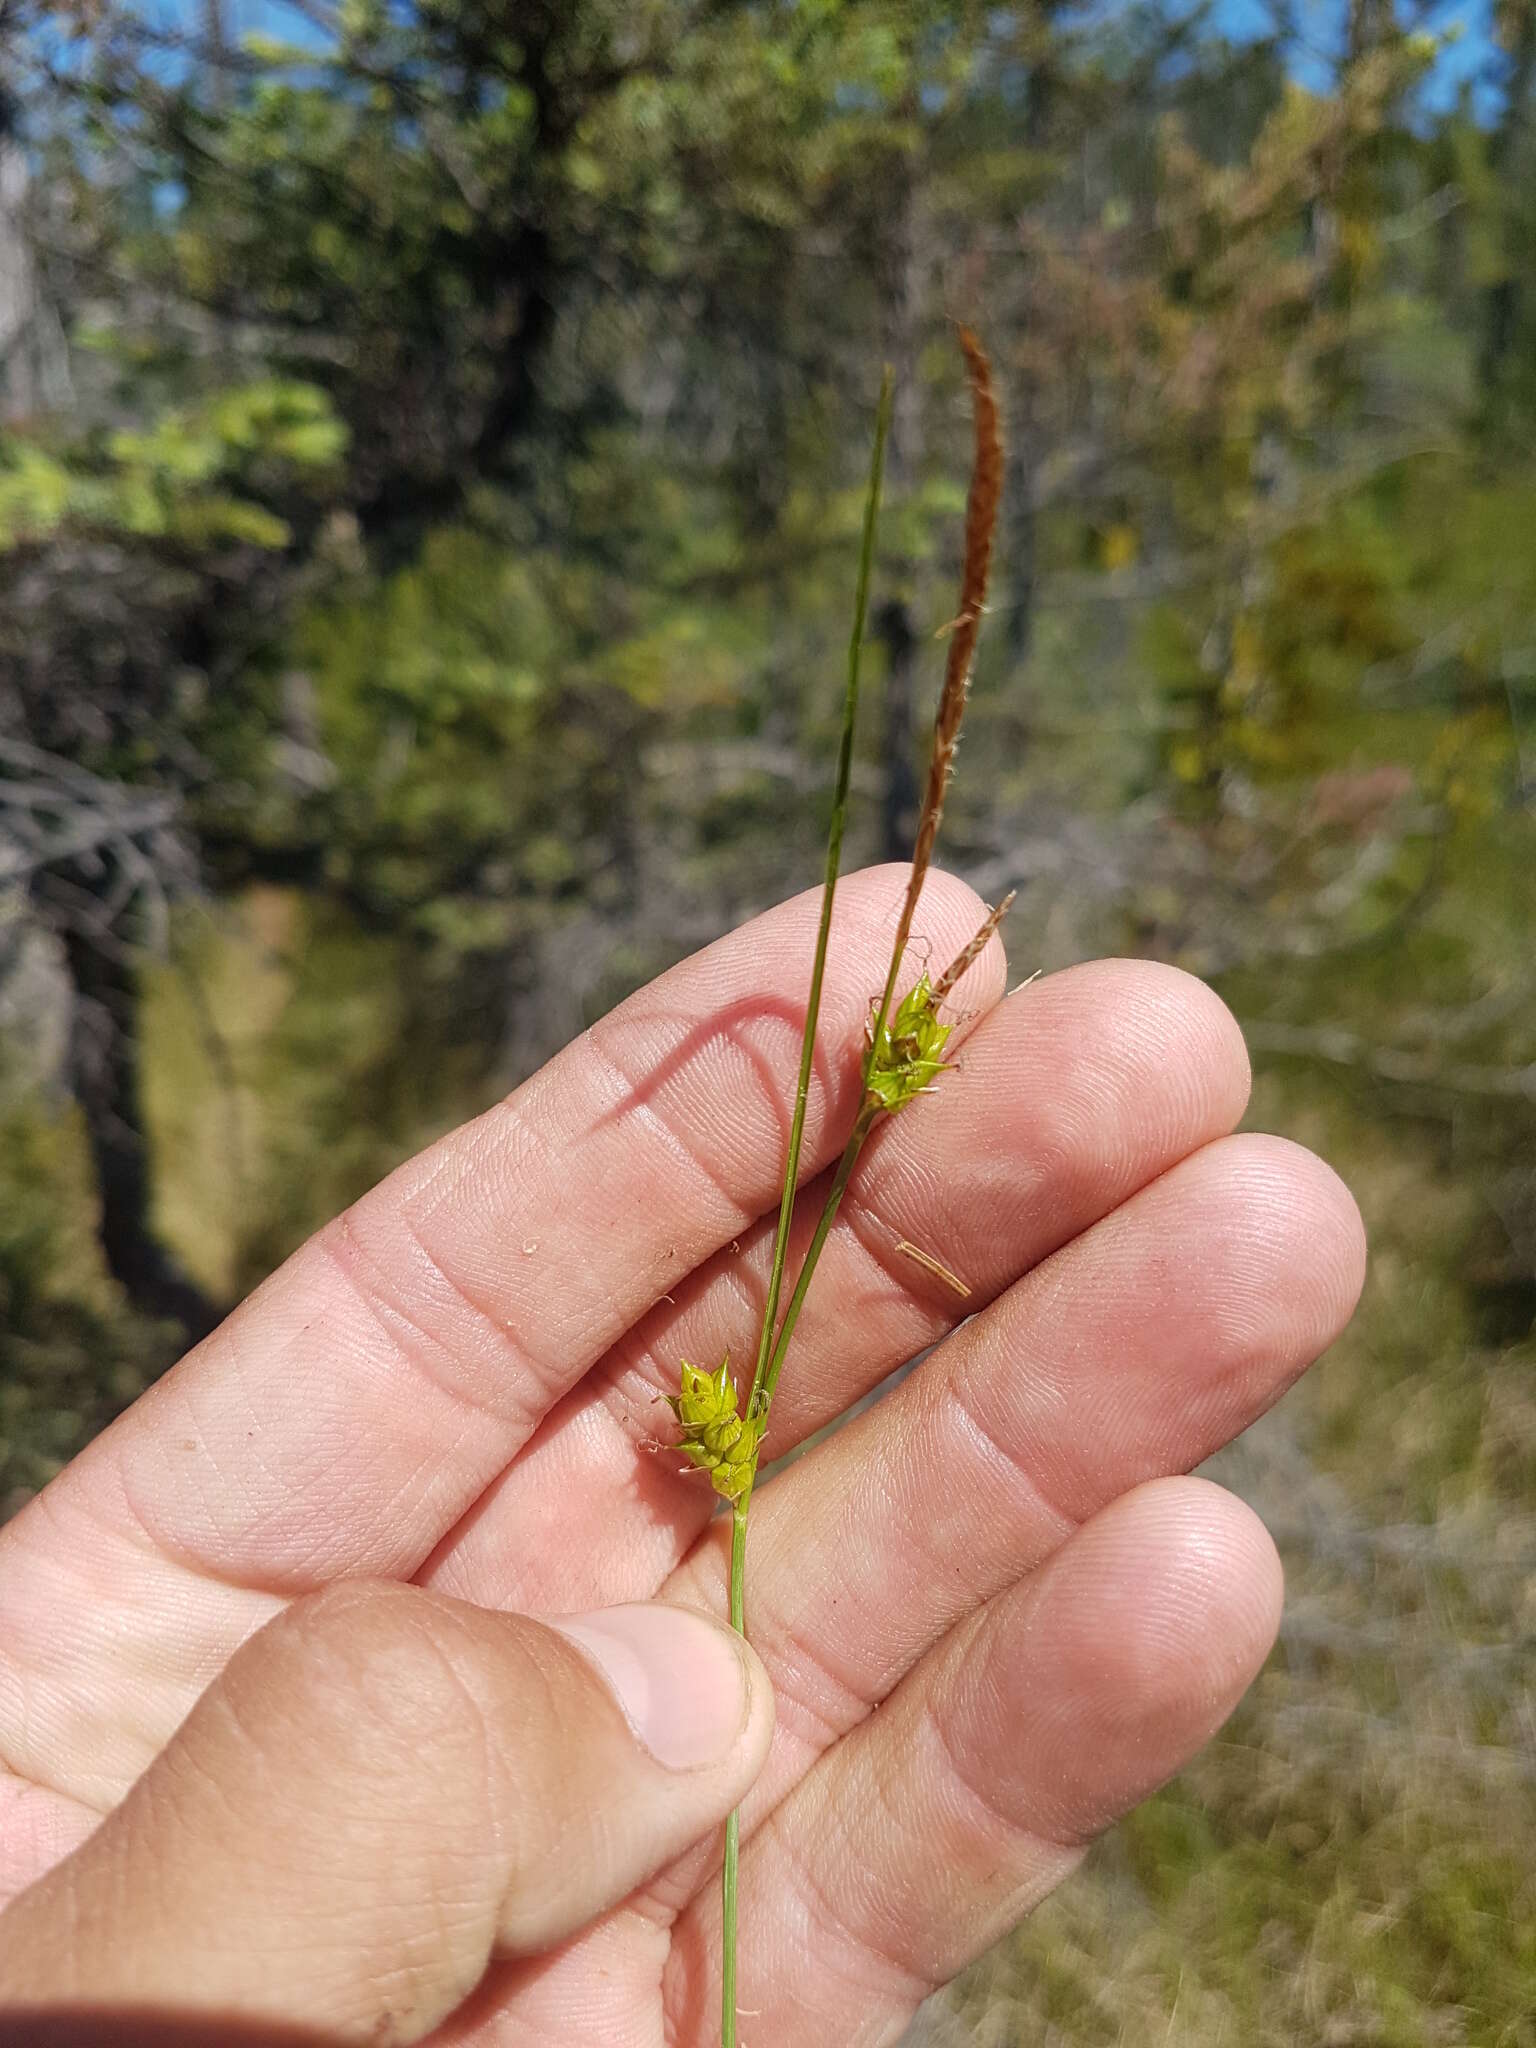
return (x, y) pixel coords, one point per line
(1185, 1588)
(1171, 1023)
(1204, 1611)
(1129, 1650)
(1216, 1032)
(1298, 1235)
(1337, 1228)
(1108, 1073)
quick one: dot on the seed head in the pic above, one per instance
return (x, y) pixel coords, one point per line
(906, 1057)
(712, 1435)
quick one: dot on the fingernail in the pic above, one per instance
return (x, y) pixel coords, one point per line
(678, 1679)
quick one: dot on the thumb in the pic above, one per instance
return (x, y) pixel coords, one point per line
(383, 1789)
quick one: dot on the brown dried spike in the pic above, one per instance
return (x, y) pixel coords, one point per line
(980, 519)
(972, 951)
(980, 522)
(986, 490)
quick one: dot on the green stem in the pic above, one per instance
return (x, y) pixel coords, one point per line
(834, 859)
(728, 1874)
(863, 1124)
(888, 993)
(758, 1394)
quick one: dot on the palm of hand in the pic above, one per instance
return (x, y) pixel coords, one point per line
(456, 1383)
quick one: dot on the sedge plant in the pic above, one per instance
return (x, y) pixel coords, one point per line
(719, 1432)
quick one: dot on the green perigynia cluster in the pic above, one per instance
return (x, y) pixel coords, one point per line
(711, 1433)
(906, 1057)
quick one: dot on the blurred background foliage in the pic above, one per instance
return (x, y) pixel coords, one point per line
(430, 448)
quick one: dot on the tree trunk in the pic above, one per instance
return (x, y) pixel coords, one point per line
(894, 629)
(105, 1081)
(1508, 158)
(1369, 23)
(1023, 525)
(1023, 430)
(216, 52)
(34, 373)
(893, 622)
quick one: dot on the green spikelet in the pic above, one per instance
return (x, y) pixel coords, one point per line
(713, 1436)
(906, 1057)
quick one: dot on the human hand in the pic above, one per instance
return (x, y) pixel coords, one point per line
(390, 1811)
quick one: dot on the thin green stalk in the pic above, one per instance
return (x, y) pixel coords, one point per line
(888, 993)
(903, 1071)
(863, 1124)
(728, 1881)
(756, 1402)
(829, 890)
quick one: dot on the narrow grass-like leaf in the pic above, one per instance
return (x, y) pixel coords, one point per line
(834, 862)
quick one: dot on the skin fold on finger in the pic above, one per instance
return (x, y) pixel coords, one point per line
(604, 1986)
(1069, 1097)
(934, 1828)
(1131, 1354)
(31, 2027)
(348, 1415)
(38, 1828)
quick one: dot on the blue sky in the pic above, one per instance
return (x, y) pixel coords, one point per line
(1473, 56)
